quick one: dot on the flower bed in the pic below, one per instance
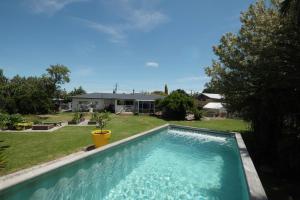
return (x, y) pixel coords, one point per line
(42, 127)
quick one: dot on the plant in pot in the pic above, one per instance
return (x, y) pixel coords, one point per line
(100, 136)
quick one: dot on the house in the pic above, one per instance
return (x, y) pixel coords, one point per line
(205, 98)
(114, 102)
(212, 104)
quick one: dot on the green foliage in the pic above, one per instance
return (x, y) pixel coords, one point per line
(166, 90)
(77, 118)
(197, 114)
(159, 93)
(176, 105)
(10, 121)
(77, 91)
(258, 73)
(291, 9)
(59, 74)
(34, 95)
(101, 119)
(4, 121)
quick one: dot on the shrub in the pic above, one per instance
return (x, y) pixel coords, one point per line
(197, 114)
(4, 120)
(176, 105)
(10, 121)
(77, 117)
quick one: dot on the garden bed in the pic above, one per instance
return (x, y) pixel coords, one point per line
(53, 123)
(72, 122)
(42, 127)
(92, 123)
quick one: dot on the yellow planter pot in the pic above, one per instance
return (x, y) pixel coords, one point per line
(101, 139)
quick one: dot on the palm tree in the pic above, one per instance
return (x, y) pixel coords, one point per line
(291, 8)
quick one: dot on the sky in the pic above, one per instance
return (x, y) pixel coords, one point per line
(138, 44)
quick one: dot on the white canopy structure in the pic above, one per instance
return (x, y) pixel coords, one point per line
(215, 109)
(214, 105)
(213, 96)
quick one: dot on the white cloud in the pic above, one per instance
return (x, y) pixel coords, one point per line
(191, 79)
(146, 20)
(115, 33)
(134, 16)
(49, 6)
(152, 64)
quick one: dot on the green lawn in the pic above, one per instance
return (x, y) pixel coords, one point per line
(67, 116)
(28, 149)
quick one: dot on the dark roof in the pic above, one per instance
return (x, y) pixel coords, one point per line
(136, 96)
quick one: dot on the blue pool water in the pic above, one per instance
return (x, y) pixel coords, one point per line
(168, 164)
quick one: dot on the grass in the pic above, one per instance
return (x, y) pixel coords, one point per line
(67, 116)
(28, 149)
(229, 125)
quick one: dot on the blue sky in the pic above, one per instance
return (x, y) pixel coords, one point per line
(139, 44)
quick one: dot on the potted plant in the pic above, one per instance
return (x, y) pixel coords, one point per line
(100, 137)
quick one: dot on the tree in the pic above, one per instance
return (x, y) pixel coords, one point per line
(291, 8)
(176, 105)
(166, 89)
(258, 73)
(3, 79)
(59, 74)
(158, 93)
(77, 91)
(30, 94)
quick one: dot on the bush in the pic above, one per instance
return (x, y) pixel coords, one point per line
(4, 121)
(77, 118)
(10, 121)
(197, 114)
(176, 105)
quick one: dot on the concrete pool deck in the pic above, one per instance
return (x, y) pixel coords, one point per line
(256, 190)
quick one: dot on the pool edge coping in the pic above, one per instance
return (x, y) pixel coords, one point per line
(20, 176)
(255, 187)
(256, 190)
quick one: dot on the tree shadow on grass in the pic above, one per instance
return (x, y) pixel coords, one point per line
(2, 155)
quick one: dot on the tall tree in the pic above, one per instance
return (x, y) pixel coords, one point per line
(166, 89)
(60, 74)
(291, 8)
(258, 73)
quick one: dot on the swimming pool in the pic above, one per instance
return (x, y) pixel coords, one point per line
(167, 163)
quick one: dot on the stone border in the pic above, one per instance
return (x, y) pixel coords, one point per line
(256, 189)
(30, 173)
(55, 128)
